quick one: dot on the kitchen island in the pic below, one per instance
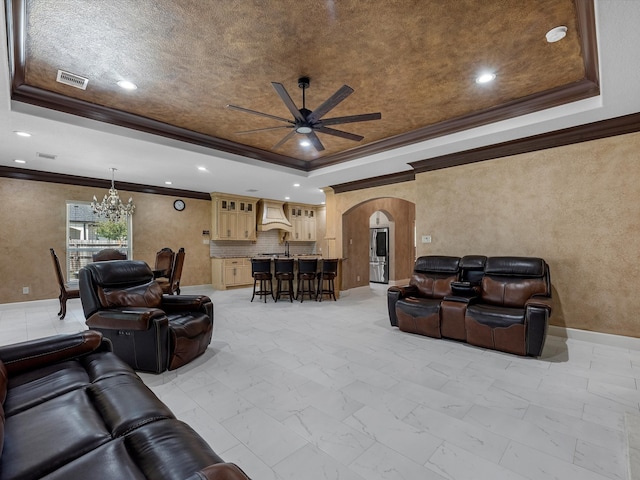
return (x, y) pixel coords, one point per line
(235, 272)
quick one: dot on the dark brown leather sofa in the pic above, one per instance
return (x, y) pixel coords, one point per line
(502, 303)
(71, 409)
(150, 331)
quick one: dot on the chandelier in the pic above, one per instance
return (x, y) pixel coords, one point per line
(111, 206)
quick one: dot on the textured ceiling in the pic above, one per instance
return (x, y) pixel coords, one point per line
(413, 61)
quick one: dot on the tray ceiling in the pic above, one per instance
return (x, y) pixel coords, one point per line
(413, 61)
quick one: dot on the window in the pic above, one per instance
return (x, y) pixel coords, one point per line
(88, 233)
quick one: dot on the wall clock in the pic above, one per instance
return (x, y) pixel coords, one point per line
(179, 205)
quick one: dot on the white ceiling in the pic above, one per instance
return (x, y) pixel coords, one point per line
(88, 148)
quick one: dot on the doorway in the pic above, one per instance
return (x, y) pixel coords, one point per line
(379, 248)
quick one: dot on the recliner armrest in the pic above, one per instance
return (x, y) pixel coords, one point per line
(403, 291)
(181, 303)
(127, 318)
(539, 301)
(36, 353)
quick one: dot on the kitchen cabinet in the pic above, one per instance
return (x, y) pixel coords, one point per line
(230, 272)
(303, 221)
(233, 217)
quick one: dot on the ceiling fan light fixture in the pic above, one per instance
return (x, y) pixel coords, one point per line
(304, 129)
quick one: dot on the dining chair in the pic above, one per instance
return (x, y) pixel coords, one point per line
(171, 285)
(164, 263)
(65, 291)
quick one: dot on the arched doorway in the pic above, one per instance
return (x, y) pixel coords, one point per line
(356, 240)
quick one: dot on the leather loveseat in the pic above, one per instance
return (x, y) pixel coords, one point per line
(71, 409)
(150, 331)
(502, 303)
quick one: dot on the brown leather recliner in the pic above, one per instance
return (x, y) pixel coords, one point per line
(150, 331)
(513, 309)
(415, 308)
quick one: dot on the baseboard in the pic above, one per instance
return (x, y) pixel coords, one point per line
(43, 303)
(632, 343)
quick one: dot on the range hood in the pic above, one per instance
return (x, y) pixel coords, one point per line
(271, 216)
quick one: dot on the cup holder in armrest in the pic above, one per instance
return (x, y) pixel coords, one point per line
(464, 289)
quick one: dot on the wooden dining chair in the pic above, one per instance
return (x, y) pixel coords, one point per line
(65, 292)
(172, 285)
(164, 263)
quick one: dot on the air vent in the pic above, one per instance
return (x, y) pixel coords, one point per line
(252, 190)
(48, 156)
(72, 80)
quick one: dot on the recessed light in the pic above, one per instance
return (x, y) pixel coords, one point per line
(486, 77)
(127, 85)
(17, 160)
(556, 34)
(22, 134)
(168, 182)
(202, 169)
(296, 184)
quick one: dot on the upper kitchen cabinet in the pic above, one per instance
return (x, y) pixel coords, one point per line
(233, 217)
(303, 222)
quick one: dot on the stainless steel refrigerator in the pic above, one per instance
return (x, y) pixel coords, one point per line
(379, 255)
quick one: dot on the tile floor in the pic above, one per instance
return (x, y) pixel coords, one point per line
(330, 391)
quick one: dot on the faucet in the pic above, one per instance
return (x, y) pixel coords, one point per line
(286, 249)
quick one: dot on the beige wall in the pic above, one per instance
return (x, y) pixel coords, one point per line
(33, 219)
(577, 206)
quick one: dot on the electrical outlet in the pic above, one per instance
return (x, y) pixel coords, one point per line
(25, 290)
(358, 278)
(426, 238)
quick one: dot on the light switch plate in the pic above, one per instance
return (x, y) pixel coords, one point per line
(426, 238)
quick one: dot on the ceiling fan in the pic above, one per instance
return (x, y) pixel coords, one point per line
(307, 122)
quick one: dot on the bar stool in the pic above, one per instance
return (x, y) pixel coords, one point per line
(307, 271)
(284, 273)
(261, 272)
(328, 273)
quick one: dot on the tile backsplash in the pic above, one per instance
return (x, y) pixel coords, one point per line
(266, 242)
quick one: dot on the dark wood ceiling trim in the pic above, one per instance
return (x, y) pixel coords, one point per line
(541, 101)
(588, 87)
(15, 12)
(567, 136)
(406, 176)
(39, 176)
(43, 98)
(586, 16)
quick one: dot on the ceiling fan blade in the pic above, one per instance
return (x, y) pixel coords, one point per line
(339, 133)
(317, 144)
(246, 110)
(282, 92)
(352, 118)
(342, 93)
(263, 129)
(284, 139)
